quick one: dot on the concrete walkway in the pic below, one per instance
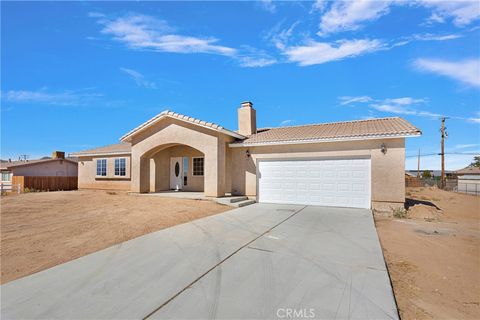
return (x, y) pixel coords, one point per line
(258, 261)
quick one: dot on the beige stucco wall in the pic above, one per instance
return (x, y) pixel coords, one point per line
(388, 180)
(160, 169)
(247, 120)
(87, 170)
(50, 168)
(172, 132)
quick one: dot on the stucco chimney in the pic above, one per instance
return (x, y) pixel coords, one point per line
(247, 119)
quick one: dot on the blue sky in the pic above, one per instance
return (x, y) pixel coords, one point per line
(77, 75)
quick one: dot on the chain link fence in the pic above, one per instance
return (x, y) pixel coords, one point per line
(455, 185)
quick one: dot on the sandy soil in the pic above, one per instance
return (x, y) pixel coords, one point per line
(434, 256)
(41, 230)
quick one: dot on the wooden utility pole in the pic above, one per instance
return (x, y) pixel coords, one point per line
(418, 165)
(444, 134)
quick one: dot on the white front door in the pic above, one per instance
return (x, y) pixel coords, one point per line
(329, 182)
(176, 173)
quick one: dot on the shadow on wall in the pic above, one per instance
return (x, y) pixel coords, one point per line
(242, 175)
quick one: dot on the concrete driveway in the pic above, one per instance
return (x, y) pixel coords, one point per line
(260, 261)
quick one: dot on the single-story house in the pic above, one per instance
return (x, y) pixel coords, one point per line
(350, 164)
(469, 184)
(470, 170)
(433, 173)
(55, 166)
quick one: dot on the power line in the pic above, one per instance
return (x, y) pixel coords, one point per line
(439, 154)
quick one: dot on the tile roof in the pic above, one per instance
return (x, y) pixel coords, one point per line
(182, 117)
(117, 148)
(348, 130)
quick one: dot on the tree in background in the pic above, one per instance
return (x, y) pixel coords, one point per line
(476, 162)
(426, 174)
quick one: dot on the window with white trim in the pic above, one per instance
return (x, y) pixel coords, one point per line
(120, 167)
(102, 167)
(198, 165)
(6, 176)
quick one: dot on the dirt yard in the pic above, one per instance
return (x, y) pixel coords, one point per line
(41, 230)
(433, 256)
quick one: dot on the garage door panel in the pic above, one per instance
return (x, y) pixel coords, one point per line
(338, 182)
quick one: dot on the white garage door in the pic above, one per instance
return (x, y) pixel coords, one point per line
(333, 182)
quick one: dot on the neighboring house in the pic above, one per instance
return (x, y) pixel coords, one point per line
(469, 184)
(433, 173)
(6, 175)
(469, 180)
(350, 164)
(58, 165)
(411, 173)
(471, 171)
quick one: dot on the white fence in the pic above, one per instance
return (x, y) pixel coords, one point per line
(9, 187)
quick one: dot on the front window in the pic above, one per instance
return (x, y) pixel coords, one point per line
(198, 166)
(120, 167)
(5, 176)
(102, 167)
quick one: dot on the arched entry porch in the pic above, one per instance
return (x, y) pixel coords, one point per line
(176, 167)
(155, 146)
(199, 171)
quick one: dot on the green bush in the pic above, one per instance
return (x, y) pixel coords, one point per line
(400, 213)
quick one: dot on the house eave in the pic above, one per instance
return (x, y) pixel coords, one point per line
(307, 141)
(11, 167)
(118, 153)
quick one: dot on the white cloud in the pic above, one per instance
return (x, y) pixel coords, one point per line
(268, 5)
(466, 71)
(139, 78)
(461, 12)
(400, 106)
(391, 108)
(349, 15)
(404, 101)
(435, 18)
(403, 110)
(435, 37)
(255, 62)
(466, 146)
(142, 32)
(474, 119)
(139, 31)
(286, 122)
(281, 38)
(349, 100)
(253, 58)
(319, 5)
(322, 52)
(42, 96)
